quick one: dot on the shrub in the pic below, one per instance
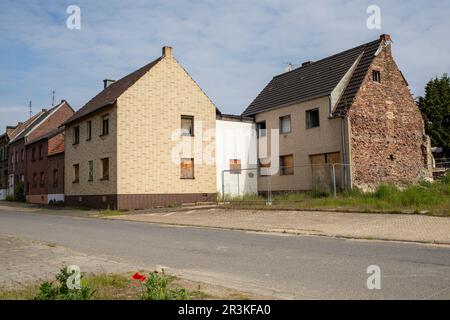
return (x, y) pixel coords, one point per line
(19, 192)
(59, 291)
(385, 191)
(9, 197)
(155, 288)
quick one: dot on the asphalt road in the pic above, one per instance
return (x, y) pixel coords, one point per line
(300, 267)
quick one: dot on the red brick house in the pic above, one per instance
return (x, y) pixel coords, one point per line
(39, 125)
(352, 110)
(45, 168)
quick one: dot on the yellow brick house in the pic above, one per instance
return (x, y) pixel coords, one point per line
(144, 141)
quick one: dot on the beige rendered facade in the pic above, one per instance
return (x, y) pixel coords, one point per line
(143, 146)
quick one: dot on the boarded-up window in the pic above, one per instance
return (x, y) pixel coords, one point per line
(312, 118)
(187, 168)
(376, 76)
(235, 166)
(187, 125)
(35, 180)
(285, 124)
(76, 173)
(287, 165)
(322, 170)
(105, 168)
(90, 170)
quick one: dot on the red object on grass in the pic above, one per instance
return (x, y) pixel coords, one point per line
(138, 276)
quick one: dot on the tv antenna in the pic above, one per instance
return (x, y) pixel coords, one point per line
(31, 110)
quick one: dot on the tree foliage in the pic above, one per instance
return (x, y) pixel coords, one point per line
(435, 107)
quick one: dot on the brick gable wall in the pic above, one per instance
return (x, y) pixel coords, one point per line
(388, 141)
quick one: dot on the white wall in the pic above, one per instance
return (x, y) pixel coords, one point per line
(55, 197)
(3, 194)
(236, 140)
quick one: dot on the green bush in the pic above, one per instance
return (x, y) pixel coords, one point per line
(59, 291)
(19, 192)
(155, 288)
(9, 197)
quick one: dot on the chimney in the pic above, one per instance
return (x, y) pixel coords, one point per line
(289, 67)
(306, 63)
(385, 37)
(107, 83)
(167, 52)
(385, 45)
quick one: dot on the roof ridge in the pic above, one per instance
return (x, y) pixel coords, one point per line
(362, 46)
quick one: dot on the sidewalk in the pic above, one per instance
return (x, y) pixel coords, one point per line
(395, 227)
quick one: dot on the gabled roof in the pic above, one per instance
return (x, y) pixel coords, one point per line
(49, 135)
(110, 94)
(23, 126)
(316, 79)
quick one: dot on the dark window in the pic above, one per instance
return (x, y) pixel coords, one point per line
(22, 155)
(1, 154)
(261, 129)
(235, 166)
(312, 118)
(88, 130)
(55, 177)
(42, 179)
(105, 125)
(76, 135)
(187, 125)
(41, 152)
(35, 180)
(187, 168)
(33, 154)
(376, 76)
(285, 124)
(76, 173)
(17, 157)
(105, 169)
(91, 170)
(287, 165)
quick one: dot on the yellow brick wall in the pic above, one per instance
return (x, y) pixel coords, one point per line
(301, 142)
(97, 148)
(148, 113)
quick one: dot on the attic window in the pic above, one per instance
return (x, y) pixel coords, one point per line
(376, 76)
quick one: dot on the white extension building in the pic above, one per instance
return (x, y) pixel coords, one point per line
(236, 157)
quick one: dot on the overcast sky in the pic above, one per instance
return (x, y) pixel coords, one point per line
(231, 48)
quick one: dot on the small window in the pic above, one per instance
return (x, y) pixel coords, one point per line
(187, 168)
(35, 180)
(261, 129)
(235, 166)
(12, 158)
(312, 118)
(105, 169)
(287, 165)
(41, 152)
(76, 135)
(88, 130)
(285, 124)
(187, 125)
(42, 179)
(264, 165)
(91, 170)
(33, 154)
(76, 173)
(105, 125)
(376, 76)
(17, 157)
(23, 155)
(55, 177)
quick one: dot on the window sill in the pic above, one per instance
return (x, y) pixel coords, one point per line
(76, 181)
(188, 178)
(90, 180)
(104, 135)
(74, 144)
(104, 179)
(88, 139)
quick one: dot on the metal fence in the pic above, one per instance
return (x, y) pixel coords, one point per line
(327, 178)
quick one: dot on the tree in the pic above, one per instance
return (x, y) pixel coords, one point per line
(435, 107)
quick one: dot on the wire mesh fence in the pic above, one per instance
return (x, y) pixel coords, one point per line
(326, 178)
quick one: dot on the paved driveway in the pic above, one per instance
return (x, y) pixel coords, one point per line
(305, 267)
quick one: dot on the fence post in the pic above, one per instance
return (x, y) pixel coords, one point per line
(269, 191)
(334, 180)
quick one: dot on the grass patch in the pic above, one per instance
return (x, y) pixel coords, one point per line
(429, 198)
(108, 213)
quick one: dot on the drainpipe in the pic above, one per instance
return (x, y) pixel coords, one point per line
(329, 106)
(344, 152)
